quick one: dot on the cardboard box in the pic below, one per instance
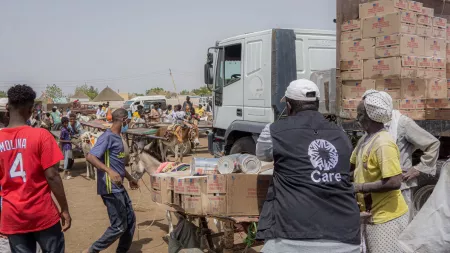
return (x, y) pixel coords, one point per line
(442, 114)
(440, 73)
(351, 35)
(447, 53)
(388, 51)
(391, 86)
(412, 88)
(440, 22)
(382, 84)
(425, 62)
(357, 50)
(428, 11)
(243, 194)
(387, 40)
(410, 45)
(415, 6)
(396, 104)
(408, 28)
(350, 103)
(351, 25)
(355, 89)
(352, 65)
(435, 47)
(439, 63)
(440, 33)
(386, 25)
(408, 104)
(409, 61)
(448, 69)
(425, 73)
(424, 20)
(448, 85)
(448, 32)
(352, 75)
(378, 8)
(423, 30)
(436, 88)
(438, 103)
(394, 93)
(408, 113)
(195, 200)
(387, 68)
(423, 114)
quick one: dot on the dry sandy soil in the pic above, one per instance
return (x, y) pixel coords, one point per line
(90, 218)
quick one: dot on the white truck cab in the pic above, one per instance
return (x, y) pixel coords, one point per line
(248, 75)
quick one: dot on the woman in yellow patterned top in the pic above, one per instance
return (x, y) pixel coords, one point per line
(378, 176)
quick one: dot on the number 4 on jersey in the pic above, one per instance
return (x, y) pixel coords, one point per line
(17, 168)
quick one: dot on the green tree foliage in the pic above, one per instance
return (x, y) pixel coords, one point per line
(155, 91)
(3, 94)
(90, 91)
(53, 91)
(202, 91)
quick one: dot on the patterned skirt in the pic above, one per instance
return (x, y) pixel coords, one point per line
(383, 238)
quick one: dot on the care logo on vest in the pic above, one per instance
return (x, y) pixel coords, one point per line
(324, 157)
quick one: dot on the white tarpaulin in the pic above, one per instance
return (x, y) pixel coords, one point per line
(430, 229)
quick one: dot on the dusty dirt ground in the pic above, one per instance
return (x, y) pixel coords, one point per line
(90, 219)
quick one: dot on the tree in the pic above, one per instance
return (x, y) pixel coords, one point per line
(90, 91)
(53, 91)
(155, 91)
(3, 94)
(202, 91)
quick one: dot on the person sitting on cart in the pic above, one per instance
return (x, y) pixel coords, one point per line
(310, 205)
(75, 127)
(191, 120)
(155, 117)
(100, 112)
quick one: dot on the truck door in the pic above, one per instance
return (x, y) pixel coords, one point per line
(229, 83)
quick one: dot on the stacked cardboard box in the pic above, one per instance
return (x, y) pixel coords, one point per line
(402, 51)
(232, 194)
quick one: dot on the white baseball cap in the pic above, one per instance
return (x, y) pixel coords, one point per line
(302, 90)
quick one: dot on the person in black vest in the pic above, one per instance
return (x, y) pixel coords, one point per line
(310, 206)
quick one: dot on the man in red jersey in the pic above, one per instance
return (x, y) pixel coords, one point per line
(28, 176)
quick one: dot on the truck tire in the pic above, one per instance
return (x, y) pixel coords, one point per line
(244, 145)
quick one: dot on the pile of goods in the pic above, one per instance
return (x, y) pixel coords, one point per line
(400, 47)
(227, 186)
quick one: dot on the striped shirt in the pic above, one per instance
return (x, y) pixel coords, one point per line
(109, 149)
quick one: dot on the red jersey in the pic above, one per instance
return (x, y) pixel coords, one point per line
(27, 204)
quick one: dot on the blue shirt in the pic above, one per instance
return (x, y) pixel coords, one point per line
(77, 131)
(109, 150)
(65, 135)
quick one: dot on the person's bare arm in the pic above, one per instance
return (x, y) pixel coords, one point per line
(56, 186)
(384, 185)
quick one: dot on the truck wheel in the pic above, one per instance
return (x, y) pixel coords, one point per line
(244, 145)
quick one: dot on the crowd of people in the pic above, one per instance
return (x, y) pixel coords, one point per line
(186, 113)
(355, 198)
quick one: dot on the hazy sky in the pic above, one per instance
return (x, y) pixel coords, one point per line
(130, 45)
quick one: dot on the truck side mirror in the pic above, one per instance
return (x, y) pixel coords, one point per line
(208, 75)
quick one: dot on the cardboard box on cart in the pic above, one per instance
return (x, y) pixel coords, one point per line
(237, 194)
(162, 185)
(191, 192)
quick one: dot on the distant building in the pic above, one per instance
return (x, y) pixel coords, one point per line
(80, 96)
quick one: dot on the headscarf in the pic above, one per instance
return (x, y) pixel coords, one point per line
(378, 105)
(393, 124)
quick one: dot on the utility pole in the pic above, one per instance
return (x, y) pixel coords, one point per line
(174, 85)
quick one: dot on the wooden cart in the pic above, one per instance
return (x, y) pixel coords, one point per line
(227, 229)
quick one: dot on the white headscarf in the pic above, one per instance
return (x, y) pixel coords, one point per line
(393, 124)
(378, 105)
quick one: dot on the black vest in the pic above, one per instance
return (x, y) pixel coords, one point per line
(311, 196)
